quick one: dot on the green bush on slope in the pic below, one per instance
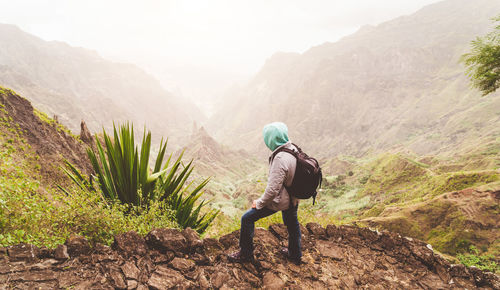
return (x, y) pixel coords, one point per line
(47, 217)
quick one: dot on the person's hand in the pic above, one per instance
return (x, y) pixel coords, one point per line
(254, 204)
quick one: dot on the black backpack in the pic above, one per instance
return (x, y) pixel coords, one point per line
(307, 176)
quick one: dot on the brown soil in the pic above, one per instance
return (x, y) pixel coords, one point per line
(343, 257)
(470, 214)
(51, 144)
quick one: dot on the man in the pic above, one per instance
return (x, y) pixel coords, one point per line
(275, 197)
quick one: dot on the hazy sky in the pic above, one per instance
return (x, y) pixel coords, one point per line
(213, 37)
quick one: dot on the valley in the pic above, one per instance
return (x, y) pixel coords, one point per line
(410, 154)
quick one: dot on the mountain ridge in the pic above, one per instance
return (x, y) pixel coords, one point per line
(77, 84)
(397, 84)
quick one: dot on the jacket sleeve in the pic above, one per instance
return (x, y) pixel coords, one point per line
(277, 175)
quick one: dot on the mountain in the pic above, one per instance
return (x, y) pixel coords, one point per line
(395, 85)
(77, 84)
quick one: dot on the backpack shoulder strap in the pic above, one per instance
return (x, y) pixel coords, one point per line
(271, 158)
(296, 146)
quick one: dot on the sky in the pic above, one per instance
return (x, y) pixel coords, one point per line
(212, 43)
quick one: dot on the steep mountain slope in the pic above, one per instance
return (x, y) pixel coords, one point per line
(28, 133)
(399, 83)
(33, 208)
(77, 84)
(337, 258)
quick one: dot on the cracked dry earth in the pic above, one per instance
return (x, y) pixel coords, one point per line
(344, 257)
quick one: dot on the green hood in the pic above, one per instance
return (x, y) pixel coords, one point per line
(275, 135)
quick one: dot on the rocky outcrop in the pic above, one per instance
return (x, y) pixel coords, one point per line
(85, 134)
(344, 257)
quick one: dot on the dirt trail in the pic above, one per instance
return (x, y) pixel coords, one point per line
(343, 257)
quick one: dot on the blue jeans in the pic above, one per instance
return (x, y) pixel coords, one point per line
(289, 219)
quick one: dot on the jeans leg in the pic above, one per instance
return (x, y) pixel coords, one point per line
(248, 226)
(294, 235)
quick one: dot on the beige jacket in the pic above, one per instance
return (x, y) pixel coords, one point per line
(281, 172)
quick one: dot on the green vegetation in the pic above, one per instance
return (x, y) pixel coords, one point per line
(123, 176)
(5, 91)
(404, 181)
(483, 62)
(307, 213)
(46, 217)
(399, 192)
(32, 211)
(483, 262)
(60, 128)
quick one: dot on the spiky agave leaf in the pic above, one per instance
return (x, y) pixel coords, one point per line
(183, 200)
(123, 170)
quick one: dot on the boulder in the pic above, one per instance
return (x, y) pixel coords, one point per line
(77, 245)
(117, 279)
(272, 281)
(183, 265)
(398, 263)
(167, 240)
(61, 252)
(165, 278)
(130, 243)
(130, 270)
(316, 230)
(193, 239)
(279, 230)
(230, 240)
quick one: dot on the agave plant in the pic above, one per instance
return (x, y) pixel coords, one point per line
(123, 174)
(178, 196)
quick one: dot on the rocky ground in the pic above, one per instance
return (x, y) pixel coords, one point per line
(344, 257)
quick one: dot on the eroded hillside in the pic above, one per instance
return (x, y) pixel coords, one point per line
(27, 132)
(451, 203)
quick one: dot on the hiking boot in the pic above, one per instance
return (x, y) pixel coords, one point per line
(238, 257)
(284, 251)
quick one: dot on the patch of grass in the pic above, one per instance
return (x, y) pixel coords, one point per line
(423, 165)
(461, 180)
(391, 172)
(6, 91)
(483, 262)
(60, 128)
(374, 211)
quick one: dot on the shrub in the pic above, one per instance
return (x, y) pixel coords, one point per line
(483, 262)
(124, 176)
(47, 217)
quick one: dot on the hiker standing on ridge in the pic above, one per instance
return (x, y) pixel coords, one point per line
(275, 198)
